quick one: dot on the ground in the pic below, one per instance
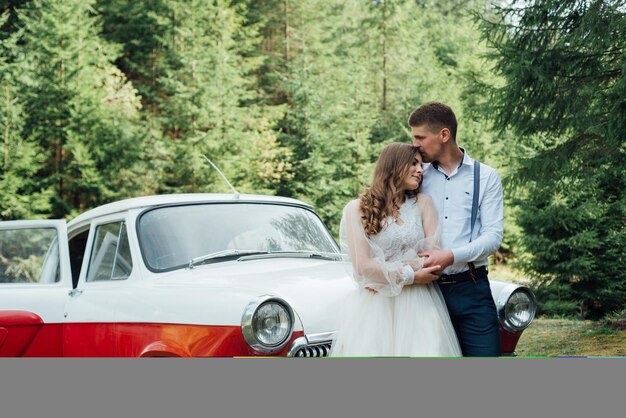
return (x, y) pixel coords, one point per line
(554, 337)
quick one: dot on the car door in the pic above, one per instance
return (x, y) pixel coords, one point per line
(35, 279)
(90, 325)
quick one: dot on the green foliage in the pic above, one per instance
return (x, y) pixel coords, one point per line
(78, 106)
(563, 64)
(21, 195)
(194, 64)
(350, 78)
(8, 25)
(21, 270)
(210, 105)
(319, 74)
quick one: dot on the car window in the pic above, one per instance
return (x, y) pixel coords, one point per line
(110, 256)
(29, 256)
(171, 236)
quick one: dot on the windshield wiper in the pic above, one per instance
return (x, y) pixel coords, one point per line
(222, 254)
(294, 254)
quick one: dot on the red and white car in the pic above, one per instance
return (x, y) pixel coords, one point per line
(185, 275)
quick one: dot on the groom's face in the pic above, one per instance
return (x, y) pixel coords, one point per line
(429, 142)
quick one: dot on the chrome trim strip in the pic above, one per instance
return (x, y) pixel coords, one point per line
(310, 341)
(320, 337)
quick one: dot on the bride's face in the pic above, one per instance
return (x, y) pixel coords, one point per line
(413, 178)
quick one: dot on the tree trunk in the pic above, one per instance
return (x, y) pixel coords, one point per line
(286, 29)
(384, 98)
(7, 127)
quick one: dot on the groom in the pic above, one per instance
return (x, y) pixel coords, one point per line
(464, 257)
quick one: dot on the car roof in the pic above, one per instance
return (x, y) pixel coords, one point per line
(170, 199)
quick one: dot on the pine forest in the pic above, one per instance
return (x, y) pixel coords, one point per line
(102, 100)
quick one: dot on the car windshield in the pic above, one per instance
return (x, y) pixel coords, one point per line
(171, 237)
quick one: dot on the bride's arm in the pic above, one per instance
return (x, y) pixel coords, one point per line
(431, 240)
(430, 222)
(370, 270)
(431, 248)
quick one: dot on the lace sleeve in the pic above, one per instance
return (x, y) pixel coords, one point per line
(368, 260)
(430, 223)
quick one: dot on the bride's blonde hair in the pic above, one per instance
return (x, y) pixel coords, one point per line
(382, 198)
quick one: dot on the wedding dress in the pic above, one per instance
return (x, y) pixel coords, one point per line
(395, 320)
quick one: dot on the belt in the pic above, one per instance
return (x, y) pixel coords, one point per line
(460, 277)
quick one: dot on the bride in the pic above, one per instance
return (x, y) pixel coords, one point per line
(396, 310)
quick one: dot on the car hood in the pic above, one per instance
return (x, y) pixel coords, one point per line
(314, 288)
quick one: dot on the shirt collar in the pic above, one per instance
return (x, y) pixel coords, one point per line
(466, 160)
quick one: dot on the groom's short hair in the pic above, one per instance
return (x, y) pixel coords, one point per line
(435, 115)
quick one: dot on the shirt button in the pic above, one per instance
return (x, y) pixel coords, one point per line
(446, 198)
(446, 217)
(447, 178)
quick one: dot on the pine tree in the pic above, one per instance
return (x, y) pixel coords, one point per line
(80, 108)
(319, 70)
(195, 63)
(8, 9)
(21, 196)
(563, 65)
(142, 28)
(350, 77)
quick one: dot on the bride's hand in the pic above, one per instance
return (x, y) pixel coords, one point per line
(416, 263)
(426, 275)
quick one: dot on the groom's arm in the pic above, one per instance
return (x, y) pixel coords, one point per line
(491, 212)
(491, 232)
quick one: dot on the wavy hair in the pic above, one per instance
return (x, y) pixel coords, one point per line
(382, 198)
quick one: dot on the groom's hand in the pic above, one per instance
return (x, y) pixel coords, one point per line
(443, 258)
(426, 275)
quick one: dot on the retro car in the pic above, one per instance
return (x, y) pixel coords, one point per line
(185, 275)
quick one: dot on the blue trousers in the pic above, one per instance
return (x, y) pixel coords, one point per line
(474, 316)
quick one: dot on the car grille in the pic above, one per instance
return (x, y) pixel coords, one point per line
(312, 345)
(317, 350)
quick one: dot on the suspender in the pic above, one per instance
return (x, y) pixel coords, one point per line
(475, 199)
(472, 268)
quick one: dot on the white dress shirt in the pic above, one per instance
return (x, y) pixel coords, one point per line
(452, 196)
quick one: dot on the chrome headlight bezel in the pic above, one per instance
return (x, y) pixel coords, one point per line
(504, 313)
(248, 321)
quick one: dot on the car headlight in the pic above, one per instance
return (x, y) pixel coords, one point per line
(267, 324)
(517, 307)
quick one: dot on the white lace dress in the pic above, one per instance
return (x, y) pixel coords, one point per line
(398, 320)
